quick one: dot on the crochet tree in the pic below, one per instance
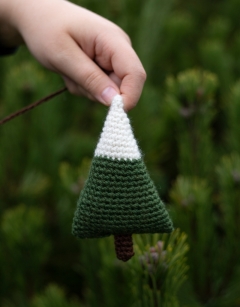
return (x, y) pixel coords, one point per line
(119, 198)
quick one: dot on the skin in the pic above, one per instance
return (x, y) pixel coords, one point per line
(93, 55)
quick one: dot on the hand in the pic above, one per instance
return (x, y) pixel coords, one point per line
(93, 55)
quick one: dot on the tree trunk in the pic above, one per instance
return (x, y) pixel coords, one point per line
(124, 247)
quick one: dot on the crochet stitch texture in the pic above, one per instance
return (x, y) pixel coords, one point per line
(119, 197)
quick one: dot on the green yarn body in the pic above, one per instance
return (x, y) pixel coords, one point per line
(119, 197)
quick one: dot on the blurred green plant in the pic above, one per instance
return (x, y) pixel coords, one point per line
(26, 248)
(151, 278)
(54, 296)
(159, 269)
(187, 124)
(199, 194)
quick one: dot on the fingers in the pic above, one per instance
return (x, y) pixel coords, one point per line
(128, 68)
(109, 49)
(115, 79)
(76, 89)
(115, 53)
(88, 79)
(83, 75)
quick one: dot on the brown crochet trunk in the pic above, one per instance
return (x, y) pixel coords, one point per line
(124, 247)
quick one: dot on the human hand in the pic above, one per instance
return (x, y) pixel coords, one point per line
(93, 55)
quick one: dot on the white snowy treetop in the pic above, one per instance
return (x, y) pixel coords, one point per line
(117, 140)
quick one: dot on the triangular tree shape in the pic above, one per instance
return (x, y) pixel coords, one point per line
(119, 198)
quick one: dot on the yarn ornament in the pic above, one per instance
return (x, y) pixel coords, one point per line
(119, 198)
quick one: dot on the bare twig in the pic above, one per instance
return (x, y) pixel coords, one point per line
(31, 106)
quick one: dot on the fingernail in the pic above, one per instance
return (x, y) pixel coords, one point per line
(108, 94)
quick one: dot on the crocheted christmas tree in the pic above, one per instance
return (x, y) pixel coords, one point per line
(119, 198)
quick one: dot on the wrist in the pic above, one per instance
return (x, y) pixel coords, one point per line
(9, 35)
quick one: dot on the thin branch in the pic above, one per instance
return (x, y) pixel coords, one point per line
(31, 106)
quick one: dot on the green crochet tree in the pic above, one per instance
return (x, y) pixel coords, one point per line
(119, 198)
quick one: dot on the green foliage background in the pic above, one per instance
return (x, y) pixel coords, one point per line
(187, 125)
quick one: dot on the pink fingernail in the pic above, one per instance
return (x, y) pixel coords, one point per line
(108, 94)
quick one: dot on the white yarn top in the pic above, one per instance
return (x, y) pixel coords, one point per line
(117, 140)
